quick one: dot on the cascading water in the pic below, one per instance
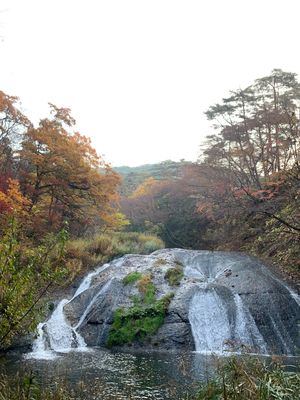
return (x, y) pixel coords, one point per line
(209, 322)
(246, 332)
(102, 291)
(56, 335)
(219, 314)
(226, 302)
(216, 331)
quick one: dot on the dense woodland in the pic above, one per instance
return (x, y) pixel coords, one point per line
(63, 209)
(243, 193)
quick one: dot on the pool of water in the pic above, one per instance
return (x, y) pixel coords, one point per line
(100, 374)
(103, 374)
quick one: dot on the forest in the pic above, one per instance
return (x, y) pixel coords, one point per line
(64, 209)
(243, 193)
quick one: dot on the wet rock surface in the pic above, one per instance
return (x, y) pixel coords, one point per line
(242, 303)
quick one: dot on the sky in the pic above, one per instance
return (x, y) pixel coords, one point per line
(138, 75)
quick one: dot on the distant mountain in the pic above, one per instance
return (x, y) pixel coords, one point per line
(134, 176)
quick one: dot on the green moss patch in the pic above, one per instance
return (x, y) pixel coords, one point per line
(132, 277)
(138, 322)
(144, 317)
(174, 275)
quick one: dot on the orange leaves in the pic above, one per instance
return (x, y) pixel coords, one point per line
(58, 169)
(64, 176)
(12, 201)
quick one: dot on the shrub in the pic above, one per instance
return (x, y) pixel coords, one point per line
(146, 288)
(27, 388)
(132, 277)
(174, 275)
(26, 273)
(84, 254)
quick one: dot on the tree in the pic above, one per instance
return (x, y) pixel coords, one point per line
(168, 208)
(250, 172)
(64, 177)
(12, 124)
(258, 129)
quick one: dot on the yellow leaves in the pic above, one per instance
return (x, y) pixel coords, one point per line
(145, 188)
(12, 200)
(116, 221)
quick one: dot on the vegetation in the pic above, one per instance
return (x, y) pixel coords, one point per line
(26, 275)
(251, 379)
(174, 275)
(132, 177)
(137, 322)
(82, 254)
(243, 193)
(235, 379)
(143, 318)
(132, 277)
(58, 213)
(26, 388)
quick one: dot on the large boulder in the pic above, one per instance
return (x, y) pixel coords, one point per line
(221, 301)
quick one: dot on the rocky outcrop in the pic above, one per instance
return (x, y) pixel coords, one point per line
(245, 305)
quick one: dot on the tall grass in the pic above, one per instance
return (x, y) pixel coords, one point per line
(26, 388)
(83, 254)
(251, 379)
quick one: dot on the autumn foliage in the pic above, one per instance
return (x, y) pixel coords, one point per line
(53, 186)
(244, 191)
(53, 173)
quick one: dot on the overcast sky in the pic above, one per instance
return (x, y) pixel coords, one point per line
(139, 74)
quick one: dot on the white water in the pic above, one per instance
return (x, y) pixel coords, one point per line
(86, 283)
(209, 322)
(212, 330)
(219, 325)
(56, 335)
(92, 302)
(246, 330)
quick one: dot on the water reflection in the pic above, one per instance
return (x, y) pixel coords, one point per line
(101, 374)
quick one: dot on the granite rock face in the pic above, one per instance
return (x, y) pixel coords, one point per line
(224, 301)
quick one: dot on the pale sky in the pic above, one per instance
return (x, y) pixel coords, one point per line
(139, 74)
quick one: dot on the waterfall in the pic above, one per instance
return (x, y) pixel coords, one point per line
(209, 322)
(246, 332)
(92, 302)
(213, 329)
(231, 302)
(56, 335)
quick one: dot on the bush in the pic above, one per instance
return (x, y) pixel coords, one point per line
(26, 388)
(84, 254)
(174, 275)
(132, 277)
(26, 272)
(143, 318)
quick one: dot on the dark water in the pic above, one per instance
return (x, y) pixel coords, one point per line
(101, 374)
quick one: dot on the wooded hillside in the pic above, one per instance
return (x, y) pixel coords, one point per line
(244, 192)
